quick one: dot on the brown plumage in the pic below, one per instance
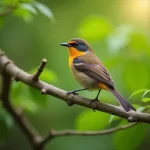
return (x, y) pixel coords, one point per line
(89, 71)
(92, 66)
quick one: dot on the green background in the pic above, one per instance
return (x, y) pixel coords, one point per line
(118, 31)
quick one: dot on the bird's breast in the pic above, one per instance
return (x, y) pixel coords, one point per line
(83, 79)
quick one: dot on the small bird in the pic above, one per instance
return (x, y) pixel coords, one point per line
(89, 71)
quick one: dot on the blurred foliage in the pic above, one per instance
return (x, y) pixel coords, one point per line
(129, 137)
(25, 9)
(87, 120)
(6, 123)
(123, 48)
(101, 27)
(30, 99)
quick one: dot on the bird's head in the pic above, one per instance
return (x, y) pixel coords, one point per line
(77, 47)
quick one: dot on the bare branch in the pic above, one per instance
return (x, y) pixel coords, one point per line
(39, 71)
(12, 70)
(9, 69)
(54, 133)
(23, 123)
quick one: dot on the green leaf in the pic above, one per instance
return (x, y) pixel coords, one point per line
(95, 28)
(89, 120)
(138, 92)
(6, 123)
(141, 109)
(17, 88)
(138, 107)
(25, 101)
(30, 99)
(146, 100)
(22, 98)
(43, 9)
(131, 138)
(28, 7)
(113, 118)
(148, 91)
(47, 75)
(27, 104)
(24, 14)
(38, 98)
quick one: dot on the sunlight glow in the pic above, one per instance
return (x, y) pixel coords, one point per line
(137, 11)
(138, 8)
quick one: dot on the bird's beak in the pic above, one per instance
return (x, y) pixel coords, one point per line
(65, 44)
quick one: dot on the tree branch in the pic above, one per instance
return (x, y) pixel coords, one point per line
(8, 69)
(54, 133)
(39, 71)
(23, 123)
(20, 75)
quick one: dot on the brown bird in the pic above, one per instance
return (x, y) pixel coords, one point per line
(89, 71)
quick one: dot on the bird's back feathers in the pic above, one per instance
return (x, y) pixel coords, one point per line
(95, 70)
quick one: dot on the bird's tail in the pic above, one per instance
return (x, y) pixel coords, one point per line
(127, 107)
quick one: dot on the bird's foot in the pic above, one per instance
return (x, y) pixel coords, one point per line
(72, 92)
(96, 101)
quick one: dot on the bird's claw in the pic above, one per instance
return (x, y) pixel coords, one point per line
(72, 92)
(96, 101)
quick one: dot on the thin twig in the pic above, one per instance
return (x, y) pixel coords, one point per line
(54, 133)
(39, 71)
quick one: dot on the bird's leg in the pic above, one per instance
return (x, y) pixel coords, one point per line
(76, 91)
(95, 100)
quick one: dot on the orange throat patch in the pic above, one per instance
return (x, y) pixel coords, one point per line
(73, 53)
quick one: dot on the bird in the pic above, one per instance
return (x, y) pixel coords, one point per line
(90, 72)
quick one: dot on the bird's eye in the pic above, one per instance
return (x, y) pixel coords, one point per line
(77, 44)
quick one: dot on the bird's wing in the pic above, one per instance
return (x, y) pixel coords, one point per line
(96, 71)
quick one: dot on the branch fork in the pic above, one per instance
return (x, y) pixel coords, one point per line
(9, 69)
(36, 76)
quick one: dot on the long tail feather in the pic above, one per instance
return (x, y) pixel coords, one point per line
(127, 107)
